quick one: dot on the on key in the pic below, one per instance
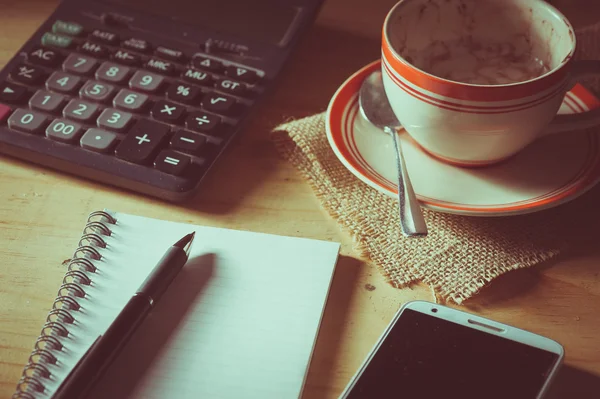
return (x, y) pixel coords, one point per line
(142, 142)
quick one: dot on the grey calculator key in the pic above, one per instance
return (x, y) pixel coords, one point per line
(111, 72)
(130, 100)
(97, 91)
(80, 110)
(145, 81)
(64, 130)
(63, 82)
(113, 119)
(98, 140)
(79, 63)
(27, 121)
(47, 101)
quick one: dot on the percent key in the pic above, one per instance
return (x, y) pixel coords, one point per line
(184, 93)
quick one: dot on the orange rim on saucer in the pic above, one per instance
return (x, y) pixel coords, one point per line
(341, 119)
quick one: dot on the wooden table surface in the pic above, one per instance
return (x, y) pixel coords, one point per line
(42, 211)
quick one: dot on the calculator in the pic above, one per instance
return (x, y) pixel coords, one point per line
(144, 94)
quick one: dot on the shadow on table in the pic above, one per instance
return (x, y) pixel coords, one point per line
(572, 382)
(320, 379)
(132, 365)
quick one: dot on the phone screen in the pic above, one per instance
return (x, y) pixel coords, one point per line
(427, 357)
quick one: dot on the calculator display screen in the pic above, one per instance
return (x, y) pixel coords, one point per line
(262, 20)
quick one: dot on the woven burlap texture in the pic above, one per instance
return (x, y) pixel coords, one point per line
(459, 256)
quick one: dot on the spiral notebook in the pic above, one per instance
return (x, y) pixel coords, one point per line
(239, 321)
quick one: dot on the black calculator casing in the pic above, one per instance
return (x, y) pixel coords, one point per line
(262, 57)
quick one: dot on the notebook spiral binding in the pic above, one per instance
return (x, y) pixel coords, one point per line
(81, 269)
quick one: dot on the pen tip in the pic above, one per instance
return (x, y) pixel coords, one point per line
(186, 241)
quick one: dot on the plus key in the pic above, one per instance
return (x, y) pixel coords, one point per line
(142, 142)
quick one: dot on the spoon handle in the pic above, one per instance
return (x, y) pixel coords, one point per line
(411, 217)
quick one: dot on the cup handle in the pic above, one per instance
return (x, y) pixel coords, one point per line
(569, 122)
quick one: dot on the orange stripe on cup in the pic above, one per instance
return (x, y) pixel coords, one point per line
(470, 92)
(471, 109)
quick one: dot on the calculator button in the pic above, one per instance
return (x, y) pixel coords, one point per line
(145, 81)
(27, 74)
(54, 40)
(243, 74)
(167, 112)
(232, 87)
(113, 119)
(63, 82)
(12, 93)
(47, 101)
(160, 66)
(130, 100)
(80, 110)
(97, 50)
(188, 142)
(142, 142)
(27, 121)
(127, 58)
(171, 162)
(4, 112)
(67, 28)
(103, 36)
(64, 130)
(218, 103)
(45, 57)
(203, 122)
(111, 72)
(98, 140)
(138, 45)
(97, 91)
(208, 64)
(170, 54)
(197, 77)
(79, 64)
(184, 93)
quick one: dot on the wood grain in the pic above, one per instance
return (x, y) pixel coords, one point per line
(42, 211)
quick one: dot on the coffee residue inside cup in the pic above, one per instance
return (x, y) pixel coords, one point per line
(467, 61)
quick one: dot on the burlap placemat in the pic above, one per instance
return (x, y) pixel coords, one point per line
(459, 256)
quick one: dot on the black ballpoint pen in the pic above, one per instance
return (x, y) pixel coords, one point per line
(107, 346)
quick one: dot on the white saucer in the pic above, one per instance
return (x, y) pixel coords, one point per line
(551, 171)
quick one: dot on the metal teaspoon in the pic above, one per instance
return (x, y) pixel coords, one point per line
(375, 107)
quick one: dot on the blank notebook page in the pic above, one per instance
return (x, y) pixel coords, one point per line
(239, 321)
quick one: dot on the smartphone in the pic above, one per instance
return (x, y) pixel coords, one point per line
(433, 351)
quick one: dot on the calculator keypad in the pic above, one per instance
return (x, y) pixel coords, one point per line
(47, 101)
(97, 91)
(113, 119)
(27, 121)
(64, 130)
(130, 100)
(79, 64)
(80, 110)
(98, 140)
(145, 103)
(28, 74)
(146, 81)
(63, 83)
